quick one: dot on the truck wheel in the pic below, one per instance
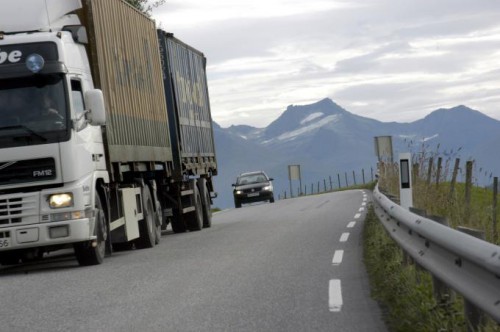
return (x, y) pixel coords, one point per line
(207, 210)
(195, 218)
(147, 226)
(158, 222)
(89, 253)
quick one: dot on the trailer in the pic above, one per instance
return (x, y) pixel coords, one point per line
(98, 153)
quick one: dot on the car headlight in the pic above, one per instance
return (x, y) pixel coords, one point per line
(238, 192)
(57, 201)
(268, 188)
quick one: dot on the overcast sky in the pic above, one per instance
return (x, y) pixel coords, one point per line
(390, 60)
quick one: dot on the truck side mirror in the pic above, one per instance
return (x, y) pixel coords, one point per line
(94, 101)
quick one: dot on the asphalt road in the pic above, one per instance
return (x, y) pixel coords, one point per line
(295, 265)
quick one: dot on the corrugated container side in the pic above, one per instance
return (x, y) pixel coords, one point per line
(186, 90)
(126, 65)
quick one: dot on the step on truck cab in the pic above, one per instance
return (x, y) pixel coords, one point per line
(87, 160)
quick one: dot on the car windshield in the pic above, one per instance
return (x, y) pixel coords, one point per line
(252, 178)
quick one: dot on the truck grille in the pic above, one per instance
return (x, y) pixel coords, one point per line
(27, 171)
(19, 209)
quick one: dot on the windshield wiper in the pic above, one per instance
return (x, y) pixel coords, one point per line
(29, 130)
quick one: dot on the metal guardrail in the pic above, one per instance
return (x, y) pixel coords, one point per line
(467, 264)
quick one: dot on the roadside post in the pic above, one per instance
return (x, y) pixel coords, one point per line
(294, 174)
(405, 189)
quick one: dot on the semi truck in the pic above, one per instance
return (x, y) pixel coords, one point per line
(105, 131)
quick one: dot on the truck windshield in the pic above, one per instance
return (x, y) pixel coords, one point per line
(33, 110)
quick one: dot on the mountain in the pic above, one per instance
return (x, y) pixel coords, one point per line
(327, 142)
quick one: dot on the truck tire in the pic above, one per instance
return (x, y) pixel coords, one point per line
(195, 219)
(158, 222)
(86, 253)
(147, 226)
(207, 209)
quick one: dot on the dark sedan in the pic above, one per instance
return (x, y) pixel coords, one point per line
(252, 187)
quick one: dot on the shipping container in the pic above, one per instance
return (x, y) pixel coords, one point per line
(186, 93)
(123, 51)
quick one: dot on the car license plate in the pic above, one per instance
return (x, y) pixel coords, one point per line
(253, 195)
(4, 243)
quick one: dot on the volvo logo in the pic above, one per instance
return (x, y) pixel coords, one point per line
(7, 164)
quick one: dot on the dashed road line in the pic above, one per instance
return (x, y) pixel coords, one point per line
(357, 215)
(351, 224)
(344, 237)
(337, 257)
(335, 295)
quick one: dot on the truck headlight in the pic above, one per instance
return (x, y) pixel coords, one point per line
(57, 201)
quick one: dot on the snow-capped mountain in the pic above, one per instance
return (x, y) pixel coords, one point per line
(326, 140)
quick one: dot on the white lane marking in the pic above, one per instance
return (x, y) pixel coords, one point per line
(337, 257)
(351, 224)
(335, 295)
(363, 204)
(357, 215)
(361, 209)
(344, 237)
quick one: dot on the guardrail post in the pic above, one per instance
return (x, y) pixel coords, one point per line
(442, 293)
(338, 176)
(474, 316)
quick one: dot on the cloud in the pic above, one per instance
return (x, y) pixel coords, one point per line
(378, 58)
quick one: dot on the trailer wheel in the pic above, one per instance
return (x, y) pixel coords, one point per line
(92, 253)
(207, 210)
(158, 222)
(195, 218)
(147, 226)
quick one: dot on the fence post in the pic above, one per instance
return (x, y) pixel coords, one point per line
(312, 189)
(338, 176)
(354, 177)
(495, 194)
(363, 173)
(475, 317)
(346, 182)
(324, 184)
(429, 171)
(371, 168)
(438, 171)
(318, 187)
(454, 178)
(468, 190)
(331, 184)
